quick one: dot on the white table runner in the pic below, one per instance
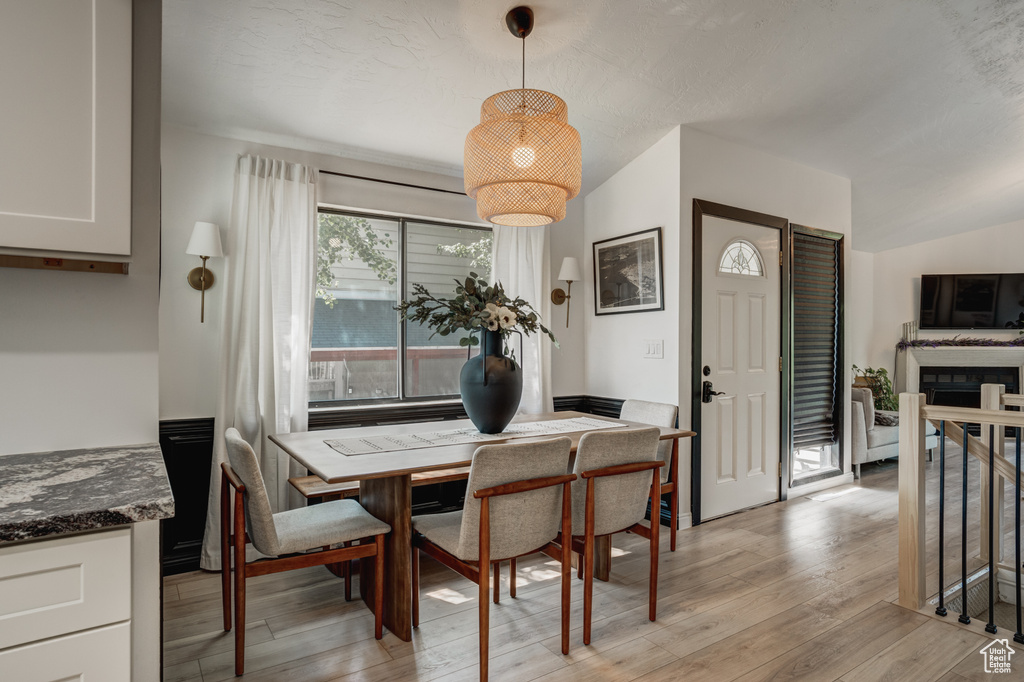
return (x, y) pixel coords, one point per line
(411, 441)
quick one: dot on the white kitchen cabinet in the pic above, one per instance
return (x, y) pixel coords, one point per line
(66, 122)
(99, 654)
(54, 587)
(82, 605)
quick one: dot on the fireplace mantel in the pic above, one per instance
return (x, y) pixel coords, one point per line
(910, 361)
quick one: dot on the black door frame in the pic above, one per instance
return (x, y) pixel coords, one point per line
(703, 208)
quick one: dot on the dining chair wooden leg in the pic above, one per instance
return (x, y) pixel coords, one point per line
(239, 585)
(483, 577)
(512, 578)
(588, 558)
(347, 571)
(225, 550)
(566, 564)
(415, 587)
(496, 565)
(655, 534)
(674, 497)
(378, 589)
(588, 586)
(579, 567)
(673, 506)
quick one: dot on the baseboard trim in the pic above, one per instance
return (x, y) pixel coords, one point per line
(591, 404)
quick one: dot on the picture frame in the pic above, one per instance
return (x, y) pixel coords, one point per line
(629, 274)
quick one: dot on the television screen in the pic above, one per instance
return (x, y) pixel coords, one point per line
(979, 301)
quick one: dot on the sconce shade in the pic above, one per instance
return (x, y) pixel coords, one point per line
(205, 241)
(524, 160)
(570, 271)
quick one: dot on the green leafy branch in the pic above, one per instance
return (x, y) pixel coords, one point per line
(341, 237)
(478, 252)
(476, 305)
(881, 387)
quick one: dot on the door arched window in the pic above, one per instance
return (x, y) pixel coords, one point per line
(741, 258)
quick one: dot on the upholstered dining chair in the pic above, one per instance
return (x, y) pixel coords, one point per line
(284, 536)
(660, 414)
(518, 501)
(618, 472)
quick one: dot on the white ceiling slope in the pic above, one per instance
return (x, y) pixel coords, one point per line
(919, 102)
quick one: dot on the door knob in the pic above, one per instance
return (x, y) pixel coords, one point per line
(708, 392)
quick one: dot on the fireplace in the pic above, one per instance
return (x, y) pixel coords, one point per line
(961, 386)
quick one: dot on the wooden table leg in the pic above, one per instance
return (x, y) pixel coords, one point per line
(390, 500)
(602, 557)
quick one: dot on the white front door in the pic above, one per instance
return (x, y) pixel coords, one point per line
(740, 317)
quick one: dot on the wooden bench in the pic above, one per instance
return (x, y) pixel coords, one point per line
(313, 486)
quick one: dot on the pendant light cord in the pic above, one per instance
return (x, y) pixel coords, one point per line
(524, 62)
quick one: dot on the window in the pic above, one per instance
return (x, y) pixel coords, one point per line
(817, 324)
(365, 265)
(741, 258)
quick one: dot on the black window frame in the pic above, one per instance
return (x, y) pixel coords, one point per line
(391, 409)
(839, 377)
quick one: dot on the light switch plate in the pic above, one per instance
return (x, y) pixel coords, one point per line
(654, 349)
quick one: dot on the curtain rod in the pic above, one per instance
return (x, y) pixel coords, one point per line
(392, 182)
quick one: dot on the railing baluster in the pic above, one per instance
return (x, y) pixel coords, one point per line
(941, 609)
(1018, 636)
(964, 618)
(990, 627)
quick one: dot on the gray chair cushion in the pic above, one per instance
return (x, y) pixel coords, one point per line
(883, 435)
(620, 501)
(296, 530)
(258, 512)
(330, 523)
(880, 436)
(519, 523)
(655, 414)
(442, 529)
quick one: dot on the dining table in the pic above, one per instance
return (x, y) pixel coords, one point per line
(385, 484)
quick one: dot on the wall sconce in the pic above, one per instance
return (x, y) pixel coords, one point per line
(569, 273)
(205, 243)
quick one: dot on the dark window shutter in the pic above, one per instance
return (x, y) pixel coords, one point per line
(815, 340)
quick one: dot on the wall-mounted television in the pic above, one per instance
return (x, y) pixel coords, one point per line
(980, 301)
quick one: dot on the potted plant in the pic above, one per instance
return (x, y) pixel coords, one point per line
(881, 387)
(491, 383)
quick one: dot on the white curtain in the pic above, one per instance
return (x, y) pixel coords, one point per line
(520, 263)
(270, 277)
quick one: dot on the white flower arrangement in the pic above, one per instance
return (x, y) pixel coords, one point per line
(476, 305)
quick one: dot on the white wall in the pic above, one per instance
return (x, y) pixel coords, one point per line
(897, 281)
(643, 195)
(727, 173)
(860, 320)
(567, 367)
(198, 181)
(78, 351)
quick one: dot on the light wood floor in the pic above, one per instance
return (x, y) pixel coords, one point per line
(802, 589)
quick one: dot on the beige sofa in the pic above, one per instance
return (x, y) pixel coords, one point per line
(872, 442)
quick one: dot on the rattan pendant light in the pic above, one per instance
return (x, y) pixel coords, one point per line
(523, 162)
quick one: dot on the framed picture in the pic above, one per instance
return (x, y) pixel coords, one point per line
(628, 274)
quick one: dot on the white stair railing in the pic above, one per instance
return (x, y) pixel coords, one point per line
(953, 423)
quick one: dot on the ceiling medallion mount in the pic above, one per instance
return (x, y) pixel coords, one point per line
(523, 162)
(519, 21)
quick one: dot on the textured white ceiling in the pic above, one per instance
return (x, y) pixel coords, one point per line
(919, 102)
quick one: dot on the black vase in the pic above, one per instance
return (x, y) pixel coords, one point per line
(491, 386)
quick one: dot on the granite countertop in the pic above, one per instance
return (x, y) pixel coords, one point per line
(52, 493)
